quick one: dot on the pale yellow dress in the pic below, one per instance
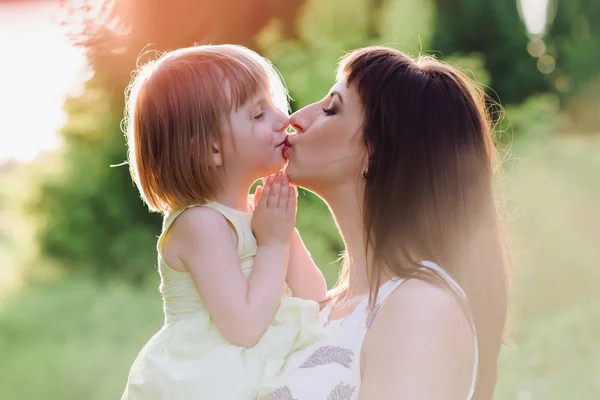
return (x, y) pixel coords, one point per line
(190, 359)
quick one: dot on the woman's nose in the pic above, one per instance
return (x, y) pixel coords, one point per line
(300, 121)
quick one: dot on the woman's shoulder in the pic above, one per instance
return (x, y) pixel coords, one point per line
(419, 317)
(420, 332)
(421, 305)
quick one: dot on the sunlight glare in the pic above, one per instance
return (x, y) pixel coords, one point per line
(40, 69)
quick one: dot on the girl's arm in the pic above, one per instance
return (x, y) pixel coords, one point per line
(420, 347)
(241, 309)
(303, 276)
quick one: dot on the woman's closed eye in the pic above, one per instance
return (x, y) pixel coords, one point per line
(329, 111)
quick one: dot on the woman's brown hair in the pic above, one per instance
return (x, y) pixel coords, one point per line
(429, 190)
(176, 108)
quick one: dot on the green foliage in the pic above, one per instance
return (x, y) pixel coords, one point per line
(91, 217)
(574, 40)
(495, 30)
(537, 117)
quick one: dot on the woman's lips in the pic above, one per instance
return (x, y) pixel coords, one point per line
(285, 147)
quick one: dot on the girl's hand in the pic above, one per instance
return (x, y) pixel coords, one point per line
(259, 190)
(275, 211)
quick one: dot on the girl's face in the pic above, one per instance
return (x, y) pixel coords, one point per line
(257, 139)
(328, 148)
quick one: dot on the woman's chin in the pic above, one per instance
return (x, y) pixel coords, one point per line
(291, 171)
(296, 178)
(297, 175)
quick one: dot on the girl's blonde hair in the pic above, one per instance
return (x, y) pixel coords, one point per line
(175, 108)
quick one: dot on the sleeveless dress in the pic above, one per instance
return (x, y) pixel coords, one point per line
(189, 358)
(330, 369)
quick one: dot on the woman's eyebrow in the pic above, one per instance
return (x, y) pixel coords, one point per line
(336, 93)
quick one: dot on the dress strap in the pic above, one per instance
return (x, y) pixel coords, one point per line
(388, 288)
(384, 291)
(240, 221)
(461, 293)
(443, 274)
(237, 219)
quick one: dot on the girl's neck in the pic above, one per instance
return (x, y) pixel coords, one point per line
(235, 195)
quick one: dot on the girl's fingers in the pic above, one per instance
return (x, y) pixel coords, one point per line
(292, 200)
(275, 191)
(283, 196)
(264, 196)
(257, 194)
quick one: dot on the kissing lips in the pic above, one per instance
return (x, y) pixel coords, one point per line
(285, 145)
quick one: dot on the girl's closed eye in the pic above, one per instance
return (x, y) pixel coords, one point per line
(258, 116)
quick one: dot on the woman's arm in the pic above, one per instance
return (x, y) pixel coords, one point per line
(420, 347)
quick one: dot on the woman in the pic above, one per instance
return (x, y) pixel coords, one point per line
(402, 152)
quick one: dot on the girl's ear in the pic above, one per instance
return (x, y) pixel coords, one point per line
(216, 152)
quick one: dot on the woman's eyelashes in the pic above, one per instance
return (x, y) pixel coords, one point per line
(329, 111)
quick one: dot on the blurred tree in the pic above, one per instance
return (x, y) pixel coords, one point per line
(114, 32)
(572, 48)
(495, 30)
(573, 40)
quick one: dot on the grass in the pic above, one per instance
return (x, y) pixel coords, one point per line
(76, 338)
(554, 190)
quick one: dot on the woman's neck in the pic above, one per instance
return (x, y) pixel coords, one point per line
(345, 202)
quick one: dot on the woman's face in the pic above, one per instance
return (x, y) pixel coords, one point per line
(327, 148)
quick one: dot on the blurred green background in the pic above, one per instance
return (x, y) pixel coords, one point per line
(78, 280)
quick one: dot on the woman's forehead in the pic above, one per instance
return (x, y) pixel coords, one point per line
(348, 95)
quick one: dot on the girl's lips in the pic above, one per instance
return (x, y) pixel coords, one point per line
(285, 147)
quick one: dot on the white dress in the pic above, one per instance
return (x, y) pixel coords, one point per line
(189, 358)
(330, 369)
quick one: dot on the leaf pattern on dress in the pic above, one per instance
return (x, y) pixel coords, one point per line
(282, 393)
(371, 316)
(330, 355)
(341, 392)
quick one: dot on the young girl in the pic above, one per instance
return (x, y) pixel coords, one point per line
(204, 123)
